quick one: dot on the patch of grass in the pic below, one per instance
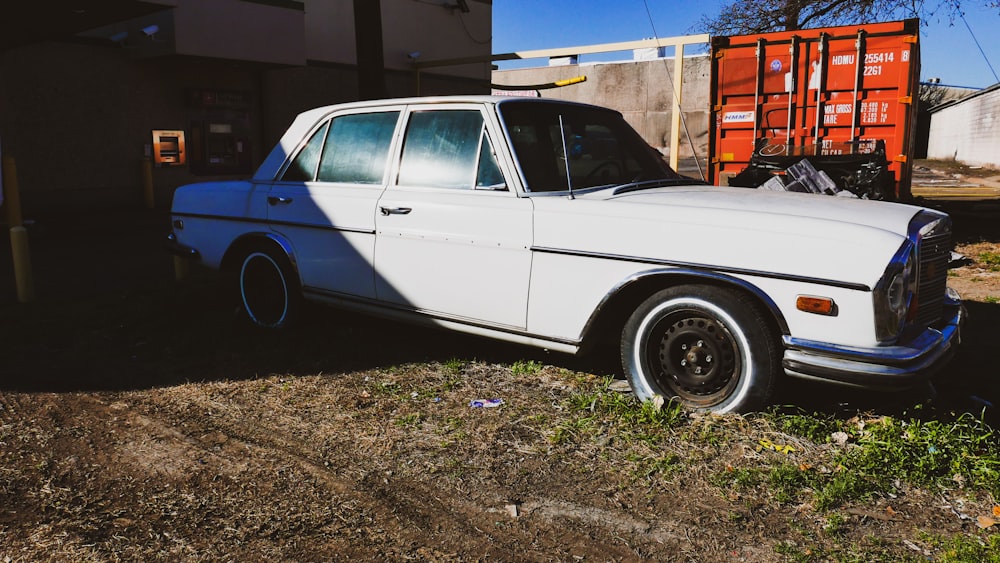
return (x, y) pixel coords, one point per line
(453, 366)
(815, 427)
(596, 416)
(530, 367)
(786, 482)
(926, 452)
(881, 453)
(990, 260)
(834, 523)
(795, 552)
(991, 299)
(921, 453)
(841, 488)
(413, 420)
(960, 548)
(740, 478)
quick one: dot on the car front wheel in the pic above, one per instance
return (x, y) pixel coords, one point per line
(268, 291)
(707, 347)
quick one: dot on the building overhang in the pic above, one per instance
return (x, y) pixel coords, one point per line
(56, 20)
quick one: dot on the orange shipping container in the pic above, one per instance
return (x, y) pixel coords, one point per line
(824, 94)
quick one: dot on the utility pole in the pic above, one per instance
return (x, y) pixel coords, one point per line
(368, 40)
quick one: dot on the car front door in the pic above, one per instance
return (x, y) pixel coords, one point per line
(325, 201)
(453, 239)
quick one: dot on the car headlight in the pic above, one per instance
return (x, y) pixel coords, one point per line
(894, 294)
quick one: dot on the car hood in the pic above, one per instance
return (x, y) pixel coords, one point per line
(801, 235)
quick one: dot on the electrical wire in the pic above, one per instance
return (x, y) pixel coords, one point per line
(472, 38)
(675, 91)
(981, 51)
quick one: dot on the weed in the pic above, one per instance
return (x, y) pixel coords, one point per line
(410, 420)
(842, 487)
(960, 547)
(991, 299)
(573, 428)
(793, 552)
(454, 366)
(834, 523)
(786, 481)
(530, 367)
(990, 260)
(737, 477)
(815, 427)
(927, 452)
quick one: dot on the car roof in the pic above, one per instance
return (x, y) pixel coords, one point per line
(306, 120)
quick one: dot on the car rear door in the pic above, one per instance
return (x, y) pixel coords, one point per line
(325, 200)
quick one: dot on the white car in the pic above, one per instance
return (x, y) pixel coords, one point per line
(554, 225)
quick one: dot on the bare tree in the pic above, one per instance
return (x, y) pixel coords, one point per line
(758, 16)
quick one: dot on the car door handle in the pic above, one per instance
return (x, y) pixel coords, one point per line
(395, 210)
(276, 200)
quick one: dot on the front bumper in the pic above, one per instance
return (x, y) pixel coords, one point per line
(883, 367)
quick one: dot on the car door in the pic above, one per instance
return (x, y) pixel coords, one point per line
(324, 201)
(453, 240)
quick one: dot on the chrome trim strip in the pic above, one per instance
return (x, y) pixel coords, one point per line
(276, 223)
(704, 267)
(757, 292)
(374, 304)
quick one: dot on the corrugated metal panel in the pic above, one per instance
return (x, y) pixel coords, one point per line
(811, 91)
(968, 130)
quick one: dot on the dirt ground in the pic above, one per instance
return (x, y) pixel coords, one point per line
(140, 422)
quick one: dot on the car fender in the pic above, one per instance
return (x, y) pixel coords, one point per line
(243, 242)
(621, 300)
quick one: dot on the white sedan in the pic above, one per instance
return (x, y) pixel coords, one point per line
(554, 225)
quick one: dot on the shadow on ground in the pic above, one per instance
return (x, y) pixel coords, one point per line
(108, 316)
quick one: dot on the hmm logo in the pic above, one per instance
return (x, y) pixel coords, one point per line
(738, 117)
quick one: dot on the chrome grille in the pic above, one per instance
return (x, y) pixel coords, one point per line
(932, 256)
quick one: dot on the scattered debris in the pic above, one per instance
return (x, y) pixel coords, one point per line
(658, 402)
(840, 438)
(620, 386)
(780, 448)
(485, 403)
(514, 509)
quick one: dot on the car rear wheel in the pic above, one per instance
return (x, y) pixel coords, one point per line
(268, 289)
(707, 347)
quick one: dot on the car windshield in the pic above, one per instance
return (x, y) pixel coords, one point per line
(561, 147)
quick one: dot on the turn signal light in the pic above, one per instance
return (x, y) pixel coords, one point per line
(817, 305)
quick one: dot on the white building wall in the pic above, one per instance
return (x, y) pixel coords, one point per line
(968, 131)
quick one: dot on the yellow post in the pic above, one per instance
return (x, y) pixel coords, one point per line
(675, 114)
(18, 234)
(181, 268)
(11, 193)
(147, 182)
(22, 264)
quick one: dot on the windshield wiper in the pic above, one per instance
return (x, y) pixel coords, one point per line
(658, 183)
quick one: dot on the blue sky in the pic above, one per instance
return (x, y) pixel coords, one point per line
(947, 51)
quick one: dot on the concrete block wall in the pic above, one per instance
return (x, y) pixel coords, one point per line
(641, 90)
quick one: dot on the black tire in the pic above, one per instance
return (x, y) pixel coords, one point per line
(268, 289)
(707, 347)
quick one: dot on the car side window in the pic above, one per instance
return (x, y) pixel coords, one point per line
(303, 168)
(489, 176)
(443, 149)
(357, 148)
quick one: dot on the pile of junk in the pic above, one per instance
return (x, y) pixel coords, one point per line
(839, 173)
